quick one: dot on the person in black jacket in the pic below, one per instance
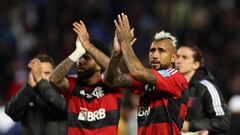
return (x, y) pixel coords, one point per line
(40, 109)
(207, 109)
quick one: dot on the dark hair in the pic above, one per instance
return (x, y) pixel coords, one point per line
(101, 46)
(45, 58)
(197, 54)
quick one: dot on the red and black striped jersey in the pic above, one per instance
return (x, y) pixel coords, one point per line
(162, 107)
(92, 110)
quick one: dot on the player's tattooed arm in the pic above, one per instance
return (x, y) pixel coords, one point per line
(99, 56)
(83, 36)
(58, 75)
(113, 77)
(135, 67)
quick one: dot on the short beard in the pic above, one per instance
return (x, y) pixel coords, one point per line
(86, 74)
(162, 67)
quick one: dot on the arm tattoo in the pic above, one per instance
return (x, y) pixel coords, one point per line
(113, 77)
(58, 74)
(150, 76)
(136, 68)
(99, 56)
(123, 80)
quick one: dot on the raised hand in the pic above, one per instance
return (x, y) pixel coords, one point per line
(30, 80)
(116, 45)
(117, 51)
(82, 33)
(36, 69)
(124, 33)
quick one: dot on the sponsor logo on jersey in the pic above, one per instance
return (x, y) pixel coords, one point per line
(85, 115)
(143, 111)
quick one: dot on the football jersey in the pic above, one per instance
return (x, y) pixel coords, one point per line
(162, 107)
(92, 109)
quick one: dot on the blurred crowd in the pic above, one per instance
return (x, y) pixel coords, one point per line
(30, 27)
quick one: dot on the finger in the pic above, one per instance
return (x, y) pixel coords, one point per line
(132, 32)
(77, 32)
(29, 65)
(116, 25)
(30, 76)
(115, 34)
(78, 27)
(123, 19)
(84, 29)
(83, 26)
(32, 62)
(127, 21)
(133, 41)
(37, 60)
(120, 21)
(79, 37)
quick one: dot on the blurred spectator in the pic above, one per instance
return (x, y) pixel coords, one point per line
(234, 107)
(33, 26)
(7, 125)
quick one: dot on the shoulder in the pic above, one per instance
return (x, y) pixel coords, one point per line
(173, 73)
(210, 86)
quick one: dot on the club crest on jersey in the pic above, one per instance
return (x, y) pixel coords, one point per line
(85, 115)
(97, 92)
(149, 88)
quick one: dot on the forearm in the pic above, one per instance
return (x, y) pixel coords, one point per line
(135, 67)
(99, 56)
(111, 71)
(114, 78)
(55, 100)
(214, 125)
(61, 71)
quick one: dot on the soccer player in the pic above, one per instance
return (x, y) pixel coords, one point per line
(38, 106)
(207, 109)
(163, 97)
(93, 107)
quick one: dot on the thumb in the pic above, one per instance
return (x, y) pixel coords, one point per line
(133, 41)
(132, 32)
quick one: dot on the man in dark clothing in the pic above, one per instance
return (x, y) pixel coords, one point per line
(207, 109)
(40, 109)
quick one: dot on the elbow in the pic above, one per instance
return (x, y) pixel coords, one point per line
(7, 110)
(227, 122)
(11, 113)
(108, 82)
(137, 75)
(53, 80)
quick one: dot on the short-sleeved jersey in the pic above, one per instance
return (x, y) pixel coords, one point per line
(92, 110)
(162, 107)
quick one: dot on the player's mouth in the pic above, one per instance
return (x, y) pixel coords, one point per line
(155, 63)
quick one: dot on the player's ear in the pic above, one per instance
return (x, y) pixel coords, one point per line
(98, 68)
(174, 56)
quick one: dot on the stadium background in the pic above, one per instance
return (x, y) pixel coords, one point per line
(29, 27)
